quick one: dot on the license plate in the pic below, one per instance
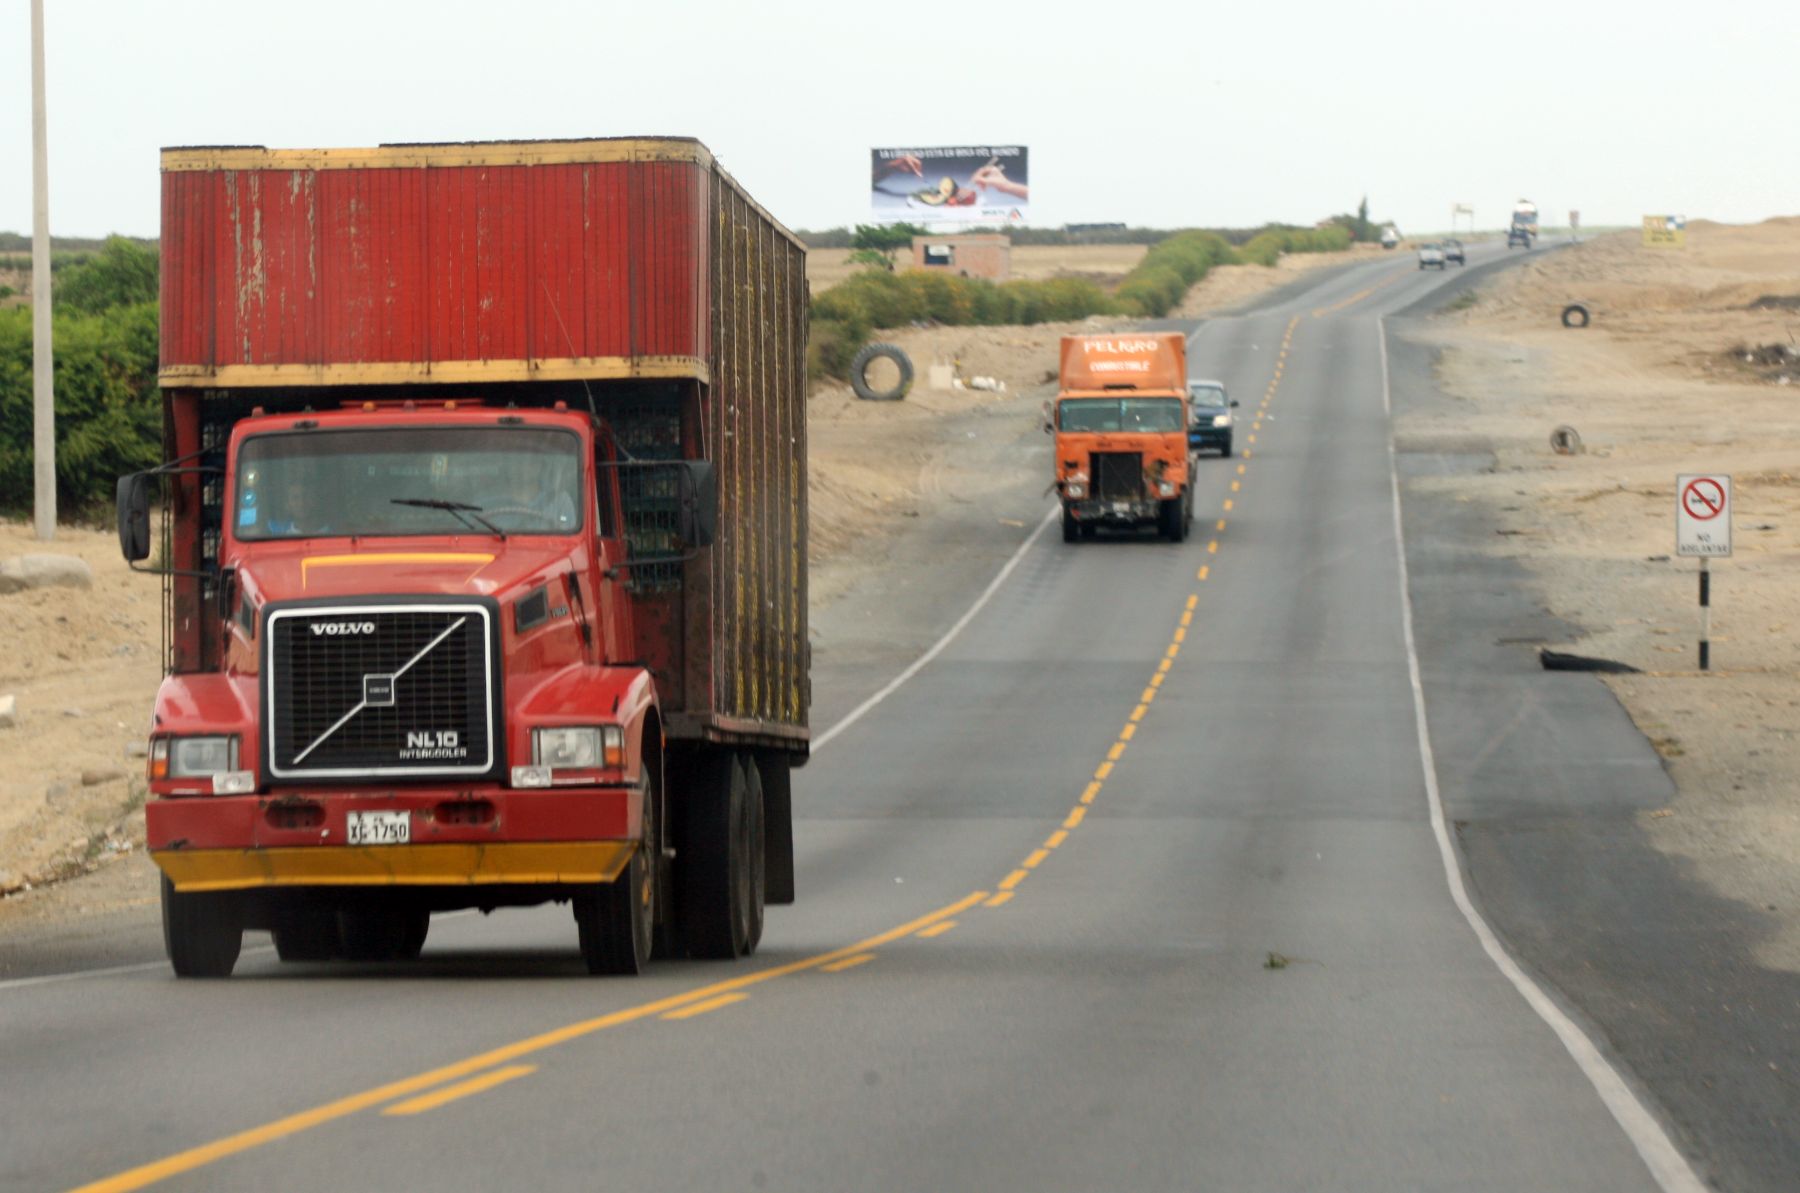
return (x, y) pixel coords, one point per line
(380, 828)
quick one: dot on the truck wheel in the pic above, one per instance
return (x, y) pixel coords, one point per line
(203, 931)
(1225, 451)
(859, 368)
(617, 920)
(305, 932)
(1071, 528)
(382, 933)
(717, 880)
(1170, 521)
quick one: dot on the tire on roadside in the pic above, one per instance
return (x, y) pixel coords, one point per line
(1577, 315)
(859, 368)
(203, 931)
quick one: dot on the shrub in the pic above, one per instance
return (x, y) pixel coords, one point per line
(108, 408)
(123, 273)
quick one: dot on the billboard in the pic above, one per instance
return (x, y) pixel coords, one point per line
(950, 184)
(1665, 231)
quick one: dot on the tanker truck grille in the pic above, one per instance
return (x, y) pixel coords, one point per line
(1118, 476)
(379, 690)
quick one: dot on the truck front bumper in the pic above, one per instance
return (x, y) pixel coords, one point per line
(480, 837)
(1113, 511)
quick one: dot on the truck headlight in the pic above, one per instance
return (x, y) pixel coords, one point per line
(579, 747)
(1075, 489)
(1221, 420)
(1166, 489)
(192, 757)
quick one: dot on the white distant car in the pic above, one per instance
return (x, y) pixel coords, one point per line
(1431, 256)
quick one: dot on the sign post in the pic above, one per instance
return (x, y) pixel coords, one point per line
(1703, 529)
(1665, 231)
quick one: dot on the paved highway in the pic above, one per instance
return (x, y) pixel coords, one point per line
(1137, 882)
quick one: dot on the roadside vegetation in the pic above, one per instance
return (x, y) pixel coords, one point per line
(108, 411)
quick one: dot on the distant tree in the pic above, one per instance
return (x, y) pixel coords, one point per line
(884, 239)
(123, 273)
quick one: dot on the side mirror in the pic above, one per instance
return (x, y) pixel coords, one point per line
(134, 517)
(1234, 401)
(699, 503)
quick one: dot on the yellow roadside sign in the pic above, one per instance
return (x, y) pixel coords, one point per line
(1665, 231)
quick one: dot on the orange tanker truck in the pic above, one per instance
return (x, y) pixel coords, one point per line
(1120, 423)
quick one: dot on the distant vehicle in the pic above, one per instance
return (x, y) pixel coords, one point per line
(1209, 416)
(1524, 227)
(1431, 256)
(1453, 251)
(1121, 421)
(1390, 237)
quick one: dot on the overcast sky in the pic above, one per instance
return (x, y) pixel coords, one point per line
(1163, 115)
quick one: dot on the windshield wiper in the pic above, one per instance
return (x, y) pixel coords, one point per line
(456, 509)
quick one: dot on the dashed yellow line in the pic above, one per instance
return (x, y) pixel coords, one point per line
(702, 1008)
(937, 929)
(1118, 748)
(999, 899)
(1128, 732)
(1137, 714)
(847, 963)
(1093, 789)
(1056, 838)
(461, 1089)
(1076, 815)
(1014, 879)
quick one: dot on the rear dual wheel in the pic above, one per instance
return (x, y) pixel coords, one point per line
(719, 877)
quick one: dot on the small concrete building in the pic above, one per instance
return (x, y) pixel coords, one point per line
(971, 254)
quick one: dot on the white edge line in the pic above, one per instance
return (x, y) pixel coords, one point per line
(918, 664)
(1667, 1165)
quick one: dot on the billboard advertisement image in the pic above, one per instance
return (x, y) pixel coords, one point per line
(950, 184)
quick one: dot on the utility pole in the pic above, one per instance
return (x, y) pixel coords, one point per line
(43, 364)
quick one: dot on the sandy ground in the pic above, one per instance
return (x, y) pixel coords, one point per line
(83, 664)
(1104, 264)
(1228, 286)
(1658, 385)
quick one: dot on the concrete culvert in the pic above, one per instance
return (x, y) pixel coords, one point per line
(1576, 315)
(1556, 660)
(881, 373)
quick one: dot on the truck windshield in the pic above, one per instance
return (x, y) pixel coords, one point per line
(301, 484)
(1119, 414)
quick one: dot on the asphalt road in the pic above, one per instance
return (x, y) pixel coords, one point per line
(1134, 885)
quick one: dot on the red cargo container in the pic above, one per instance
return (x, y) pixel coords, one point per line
(630, 279)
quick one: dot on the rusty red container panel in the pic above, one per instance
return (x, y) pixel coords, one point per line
(435, 263)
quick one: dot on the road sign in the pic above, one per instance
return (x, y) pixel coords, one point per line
(1574, 219)
(1703, 515)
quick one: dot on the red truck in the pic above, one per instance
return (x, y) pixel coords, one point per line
(483, 535)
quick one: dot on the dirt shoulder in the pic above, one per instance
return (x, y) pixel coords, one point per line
(1656, 386)
(1104, 264)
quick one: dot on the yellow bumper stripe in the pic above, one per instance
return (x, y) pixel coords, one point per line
(396, 865)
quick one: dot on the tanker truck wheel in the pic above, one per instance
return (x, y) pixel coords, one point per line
(617, 920)
(203, 931)
(719, 871)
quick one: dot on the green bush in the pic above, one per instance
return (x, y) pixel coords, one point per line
(1169, 269)
(108, 408)
(1266, 247)
(124, 273)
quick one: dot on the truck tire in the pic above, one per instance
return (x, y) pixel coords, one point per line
(859, 367)
(778, 834)
(305, 931)
(616, 921)
(719, 875)
(1575, 315)
(203, 931)
(1225, 451)
(1169, 520)
(1070, 527)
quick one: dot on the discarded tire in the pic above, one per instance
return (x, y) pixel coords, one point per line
(859, 368)
(1565, 441)
(1575, 315)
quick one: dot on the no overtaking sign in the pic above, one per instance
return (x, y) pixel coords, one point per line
(1703, 515)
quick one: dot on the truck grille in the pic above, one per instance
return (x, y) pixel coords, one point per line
(1118, 475)
(361, 691)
